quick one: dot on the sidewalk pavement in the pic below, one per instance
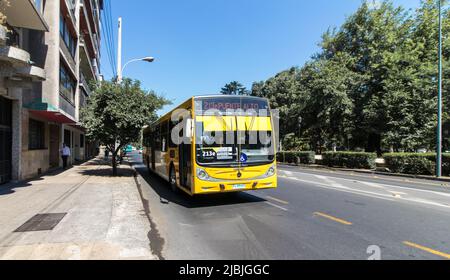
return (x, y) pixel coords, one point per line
(104, 219)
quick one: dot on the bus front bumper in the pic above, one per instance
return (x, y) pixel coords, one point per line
(205, 187)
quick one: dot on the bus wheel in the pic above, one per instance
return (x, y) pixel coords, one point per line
(173, 180)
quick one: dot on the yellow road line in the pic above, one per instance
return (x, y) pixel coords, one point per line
(426, 249)
(277, 200)
(344, 222)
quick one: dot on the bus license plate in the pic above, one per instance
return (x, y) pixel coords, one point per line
(239, 187)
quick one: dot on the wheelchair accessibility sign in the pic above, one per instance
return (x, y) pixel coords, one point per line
(243, 158)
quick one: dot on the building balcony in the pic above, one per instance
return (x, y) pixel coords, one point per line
(68, 7)
(87, 66)
(92, 13)
(88, 29)
(14, 55)
(66, 107)
(84, 84)
(24, 13)
(18, 63)
(36, 74)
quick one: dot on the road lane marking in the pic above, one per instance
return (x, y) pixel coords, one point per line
(426, 249)
(370, 184)
(386, 185)
(446, 185)
(331, 182)
(277, 200)
(389, 197)
(276, 206)
(397, 194)
(344, 222)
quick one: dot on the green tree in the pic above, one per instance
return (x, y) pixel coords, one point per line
(234, 88)
(116, 113)
(373, 85)
(326, 86)
(373, 37)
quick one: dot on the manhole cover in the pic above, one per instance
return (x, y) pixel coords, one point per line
(41, 222)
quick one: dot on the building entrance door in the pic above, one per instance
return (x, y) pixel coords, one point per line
(5, 140)
(54, 145)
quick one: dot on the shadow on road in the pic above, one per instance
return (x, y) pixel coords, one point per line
(162, 188)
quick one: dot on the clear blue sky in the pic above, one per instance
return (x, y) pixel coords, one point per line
(200, 45)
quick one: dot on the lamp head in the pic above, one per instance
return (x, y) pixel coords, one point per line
(148, 59)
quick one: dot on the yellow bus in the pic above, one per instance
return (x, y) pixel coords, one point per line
(214, 144)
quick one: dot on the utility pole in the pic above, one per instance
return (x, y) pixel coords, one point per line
(439, 128)
(119, 52)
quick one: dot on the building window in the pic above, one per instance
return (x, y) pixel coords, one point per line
(66, 84)
(67, 37)
(67, 138)
(81, 141)
(36, 135)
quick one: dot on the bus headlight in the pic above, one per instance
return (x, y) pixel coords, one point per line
(270, 172)
(202, 175)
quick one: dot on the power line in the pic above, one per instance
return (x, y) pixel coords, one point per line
(111, 42)
(109, 36)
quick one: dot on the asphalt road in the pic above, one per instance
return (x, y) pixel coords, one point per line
(313, 215)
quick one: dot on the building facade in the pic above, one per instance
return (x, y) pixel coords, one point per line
(45, 104)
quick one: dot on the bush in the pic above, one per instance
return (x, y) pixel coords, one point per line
(349, 159)
(297, 157)
(416, 164)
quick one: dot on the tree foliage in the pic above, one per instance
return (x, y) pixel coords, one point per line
(3, 5)
(116, 113)
(234, 88)
(372, 86)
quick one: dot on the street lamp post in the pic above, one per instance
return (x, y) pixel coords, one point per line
(439, 128)
(148, 59)
(119, 55)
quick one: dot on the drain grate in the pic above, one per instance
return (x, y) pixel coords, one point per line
(41, 222)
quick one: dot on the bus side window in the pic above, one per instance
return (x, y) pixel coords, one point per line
(164, 135)
(157, 138)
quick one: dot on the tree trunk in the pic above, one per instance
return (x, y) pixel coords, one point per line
(114, 166)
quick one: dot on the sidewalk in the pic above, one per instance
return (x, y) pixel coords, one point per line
(102, 216)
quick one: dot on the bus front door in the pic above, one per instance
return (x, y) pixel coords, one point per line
(153, 159)
(185, 165)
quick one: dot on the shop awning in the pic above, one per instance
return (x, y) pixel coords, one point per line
(23, 13)
(49, 112)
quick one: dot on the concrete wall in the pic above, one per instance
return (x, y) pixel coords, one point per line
(33, 161)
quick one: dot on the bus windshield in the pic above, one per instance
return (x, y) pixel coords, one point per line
(233, 131)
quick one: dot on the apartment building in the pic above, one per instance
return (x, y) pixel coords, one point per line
(64, 49)
(20, 73)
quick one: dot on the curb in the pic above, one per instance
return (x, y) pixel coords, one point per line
(363, 171)
(154, 235)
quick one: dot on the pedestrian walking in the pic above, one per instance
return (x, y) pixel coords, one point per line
(65, 154)
(106, 153)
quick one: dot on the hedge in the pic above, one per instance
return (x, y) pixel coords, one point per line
(415, 163)
(297, 157)
(350, 160)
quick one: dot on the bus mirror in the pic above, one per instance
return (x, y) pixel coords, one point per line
(189, 128)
